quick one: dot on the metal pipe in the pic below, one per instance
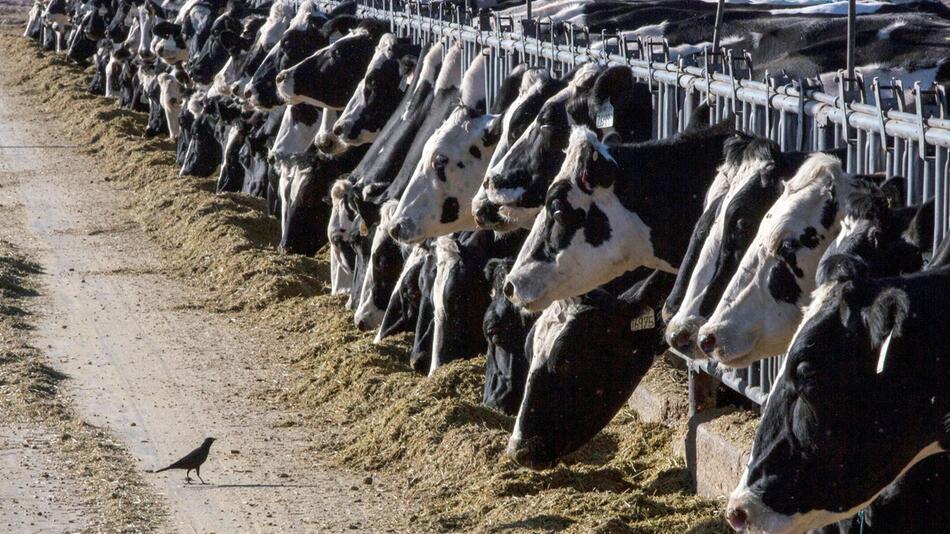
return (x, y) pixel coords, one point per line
(717, 27)
(852, 20)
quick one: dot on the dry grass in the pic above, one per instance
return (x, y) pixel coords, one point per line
(430, 433)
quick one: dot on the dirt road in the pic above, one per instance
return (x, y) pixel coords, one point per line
(152, 368)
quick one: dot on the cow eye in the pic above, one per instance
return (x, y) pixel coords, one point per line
(439, 161)
(741, 224)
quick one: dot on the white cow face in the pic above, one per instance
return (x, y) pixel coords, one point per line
(760, 308)
(453, 162)
(343, 221)
(584, 237)
(171, 99)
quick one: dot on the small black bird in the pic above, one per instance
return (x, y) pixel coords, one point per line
(192, 460)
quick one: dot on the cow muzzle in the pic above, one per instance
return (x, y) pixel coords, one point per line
(529, 453)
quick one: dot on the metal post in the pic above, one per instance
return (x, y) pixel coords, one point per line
(717, 28)
(851, 34)
(528, 11)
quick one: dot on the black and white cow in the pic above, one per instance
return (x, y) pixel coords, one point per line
(402, 309)
(588, 354)
(825, 448)
(379, 93)
(605, 100)
(756, 171)
(451, 165)
(230, 36)
(614, 208)
(760, 307)
(329, 77)
(461, 294)
(386, 261)
(308, 32)
(434, 97)
(247, 51)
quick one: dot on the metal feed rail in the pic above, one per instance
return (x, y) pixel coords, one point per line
(870, 121)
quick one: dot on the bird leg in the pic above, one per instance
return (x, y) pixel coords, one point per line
(198, 474)
(188, 478)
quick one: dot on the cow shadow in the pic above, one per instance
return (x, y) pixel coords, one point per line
(543, 522)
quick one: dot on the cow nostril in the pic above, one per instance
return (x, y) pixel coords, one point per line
(281, 76)
(337, 240)
(737, 518)
(509, 289)
(338, 130)
(682, 340)
(707, 343)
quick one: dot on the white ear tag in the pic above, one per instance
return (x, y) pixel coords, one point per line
(645, 321)
(596, 155)
(605, 117)
(404, 83)
(883, 353)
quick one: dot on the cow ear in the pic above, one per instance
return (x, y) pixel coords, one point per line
(601, 170)
(886, 315)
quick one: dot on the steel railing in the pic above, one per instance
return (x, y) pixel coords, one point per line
(874, 123)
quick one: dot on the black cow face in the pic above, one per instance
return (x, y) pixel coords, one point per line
(344, 62)
(402, 311)
(506, 329)
(862, 396)
(204, 153)
(587, 357)
(224, 42)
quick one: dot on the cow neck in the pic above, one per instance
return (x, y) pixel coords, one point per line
(665, 182)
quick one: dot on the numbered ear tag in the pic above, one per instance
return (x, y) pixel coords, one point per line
(605, 117)
(404, 83)
(645, 321)
(364, 230)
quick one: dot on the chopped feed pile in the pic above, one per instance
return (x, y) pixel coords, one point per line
(430, 432)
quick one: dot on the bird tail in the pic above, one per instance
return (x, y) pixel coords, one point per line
(158, 470)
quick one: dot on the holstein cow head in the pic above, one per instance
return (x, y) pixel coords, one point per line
(328, 77)
(343, 219)
(862, 397)
(385, 265)
(614, 208)
(446, 178)
(379, 92)
(223, 43)
(588, 354)
(308, 32)
(172, 96)
(756, 170)
(515, 183)
(233, 77)
(608, 101)
(760, 307)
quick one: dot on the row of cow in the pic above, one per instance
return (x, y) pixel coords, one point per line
(549, 233)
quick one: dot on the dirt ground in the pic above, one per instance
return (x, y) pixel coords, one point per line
(161, 313)
(146, 364)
